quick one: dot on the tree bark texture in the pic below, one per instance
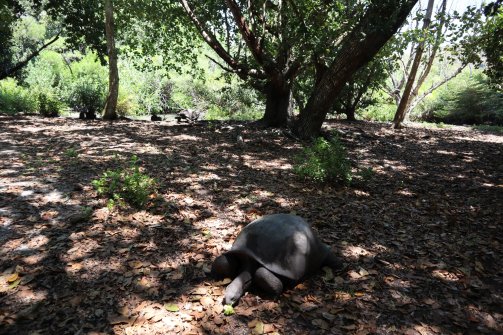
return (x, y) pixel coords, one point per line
(359, 47)
(279, 105)
(109, 112)
(404, 101)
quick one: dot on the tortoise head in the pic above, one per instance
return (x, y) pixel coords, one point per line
(237, 287)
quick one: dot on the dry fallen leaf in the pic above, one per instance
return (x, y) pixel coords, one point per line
(12, 278)
(206, 301)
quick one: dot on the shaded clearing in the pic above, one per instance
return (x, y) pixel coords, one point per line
(422, 240)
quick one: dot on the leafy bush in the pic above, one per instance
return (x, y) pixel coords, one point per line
(47, 73)
(236, 102)
(470, 100)
(85, 89)
(48, 105)
(383, 112)
(125, 103)
(144, 91)
(324, 161)
(127, 185)
(16, 99)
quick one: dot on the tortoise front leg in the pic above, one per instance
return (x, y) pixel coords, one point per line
(240, 284)
(268, 281)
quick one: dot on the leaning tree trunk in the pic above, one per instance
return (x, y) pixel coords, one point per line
(110, 112)
(354, 53)
(404, 101)
(278, 108)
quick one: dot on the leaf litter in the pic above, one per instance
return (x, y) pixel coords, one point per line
(421, 240)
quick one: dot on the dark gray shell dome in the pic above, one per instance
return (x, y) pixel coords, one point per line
(285, 244)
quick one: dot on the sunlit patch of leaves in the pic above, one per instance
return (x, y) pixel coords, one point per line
(126, 185)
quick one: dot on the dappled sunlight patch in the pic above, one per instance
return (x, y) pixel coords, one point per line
(36, 258)
(91, 267)
(9, 152)
(361, 193)
(277, 164)
(5, 220)
(185, 137)
(35, 242)
(406, 193)
(150, 149)
(12, 244)
(27, 295)
(475, 137)
(355, 252)
(54, 196)
(401, 298)
(394, 165)
(9, 172)
(448, 153)
(445, 275)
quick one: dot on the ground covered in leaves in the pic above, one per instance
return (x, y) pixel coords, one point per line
(421, 239)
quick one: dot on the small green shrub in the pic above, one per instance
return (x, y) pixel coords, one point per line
(127, 185)
(324, 161)
(71, 153)
(379, 112)
(16, 99)
(48, 105)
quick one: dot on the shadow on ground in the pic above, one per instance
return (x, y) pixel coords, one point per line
(422, 238)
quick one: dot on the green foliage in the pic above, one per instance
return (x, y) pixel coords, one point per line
(47, 73)
(20, 33)
(489, 129)
(143, 91)
(48, 105)
(233, 102)
(380, 111)
(324, 161)
(16, 99)
(492, 43)
(85, 88)
(126, 185)
(71, 153)
(468, 100)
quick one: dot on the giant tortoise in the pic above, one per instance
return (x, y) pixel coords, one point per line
(271, 252)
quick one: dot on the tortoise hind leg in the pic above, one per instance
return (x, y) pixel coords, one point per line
(224, 266)
(268, 281)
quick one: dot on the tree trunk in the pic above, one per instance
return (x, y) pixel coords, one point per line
(279, 108)
(404, 101)
(354, 53)
(350, 113)
(109, 112)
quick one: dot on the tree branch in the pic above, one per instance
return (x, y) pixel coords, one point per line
(434, 87)
(8, 72)
(250, 38)
(242, 71)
